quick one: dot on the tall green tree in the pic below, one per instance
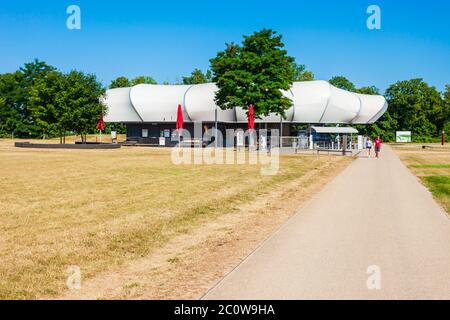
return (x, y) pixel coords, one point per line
(15, 88)
(209, 75)
(342, 82)
(82, 97)
(302, 74)
(255, 73)
(67, 102)
(35, 70)
(52, 117)
(120, 82)
(143, 80)
(196, 77)
(6, 128)
(31, 72)
(417, 107)
(447, 94)
(370, 90)
(11, 119)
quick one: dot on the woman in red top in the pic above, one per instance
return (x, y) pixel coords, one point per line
(377, 143)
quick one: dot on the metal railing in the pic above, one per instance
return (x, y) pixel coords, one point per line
(302, 143)
(294, 142)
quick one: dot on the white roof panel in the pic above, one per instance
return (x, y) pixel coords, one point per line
(120, 108)
(200, 105)
(310, 100)
(158, 103)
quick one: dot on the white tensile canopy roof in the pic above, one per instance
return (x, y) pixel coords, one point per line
(313, 102)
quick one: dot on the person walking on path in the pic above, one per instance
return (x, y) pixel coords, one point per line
(369, 146)
(377, 146)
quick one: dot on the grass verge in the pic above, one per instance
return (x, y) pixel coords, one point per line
(440, 188)
(432, 166)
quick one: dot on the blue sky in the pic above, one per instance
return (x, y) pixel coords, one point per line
(168, 39)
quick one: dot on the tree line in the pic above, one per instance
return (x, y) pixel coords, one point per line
(414, 106)
(39, 101)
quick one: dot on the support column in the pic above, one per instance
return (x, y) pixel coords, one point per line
(344, 144)
(215, 128)
(360, 142)
(281, 131)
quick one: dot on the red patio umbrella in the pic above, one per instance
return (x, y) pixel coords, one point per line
(251, 118)
(180, 120)
(100, 123)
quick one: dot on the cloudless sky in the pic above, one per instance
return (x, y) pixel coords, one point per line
(168, 39)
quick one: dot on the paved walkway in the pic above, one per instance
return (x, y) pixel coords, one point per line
(375, 213)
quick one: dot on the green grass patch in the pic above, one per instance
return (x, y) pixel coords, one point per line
(440, 188)
(438, 185)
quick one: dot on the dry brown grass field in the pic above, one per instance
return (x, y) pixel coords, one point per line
(431, 165)
(131, 218)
